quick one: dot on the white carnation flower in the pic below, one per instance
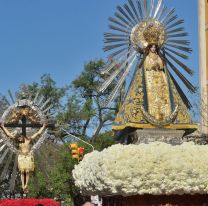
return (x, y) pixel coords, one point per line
(156, 168)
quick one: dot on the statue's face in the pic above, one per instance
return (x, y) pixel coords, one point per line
(153, 48)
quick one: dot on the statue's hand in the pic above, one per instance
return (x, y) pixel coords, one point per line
(156, 67)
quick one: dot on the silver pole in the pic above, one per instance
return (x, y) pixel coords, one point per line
(78, 139)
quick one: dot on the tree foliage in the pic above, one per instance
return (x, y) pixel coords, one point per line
(87, 104)
(48, 89)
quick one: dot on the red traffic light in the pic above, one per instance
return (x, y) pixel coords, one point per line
(81, 150)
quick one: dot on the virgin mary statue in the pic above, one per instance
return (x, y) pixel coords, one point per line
(157, 87)
(154, 98)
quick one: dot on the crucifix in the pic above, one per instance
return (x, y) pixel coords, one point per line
(24, 114)
(24, 125)
(25, 156)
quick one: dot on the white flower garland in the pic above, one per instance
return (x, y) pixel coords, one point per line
(156, 168)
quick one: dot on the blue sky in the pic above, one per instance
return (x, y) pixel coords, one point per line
(59, 36)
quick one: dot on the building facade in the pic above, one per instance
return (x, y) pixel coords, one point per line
(203, 61)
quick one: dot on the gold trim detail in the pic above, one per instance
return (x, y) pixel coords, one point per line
(149, 126)
(168, 120)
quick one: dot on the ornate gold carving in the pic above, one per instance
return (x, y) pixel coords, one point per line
(17, 113)
(151, 34)
(130, 110)
(150, 126)
(148, 32)
(160, 123)
(130, 113)
(183, 114)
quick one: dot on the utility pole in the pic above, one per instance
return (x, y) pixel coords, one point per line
(203, 62)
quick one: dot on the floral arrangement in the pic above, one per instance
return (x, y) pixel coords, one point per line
(156, 168)
(28, 202)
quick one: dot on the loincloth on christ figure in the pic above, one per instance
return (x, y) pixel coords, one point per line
(26, 162)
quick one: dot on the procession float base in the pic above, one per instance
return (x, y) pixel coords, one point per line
(171, 136)
(160, 200)
(135, 174)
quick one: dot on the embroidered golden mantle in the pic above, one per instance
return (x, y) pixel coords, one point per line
(130, 113)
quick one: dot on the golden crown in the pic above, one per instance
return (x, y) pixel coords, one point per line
(152, 34)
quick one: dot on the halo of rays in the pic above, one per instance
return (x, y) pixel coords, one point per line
(175, 48)
(8, 147)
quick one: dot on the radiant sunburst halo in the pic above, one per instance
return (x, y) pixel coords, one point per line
(37, 111)
(137, 24)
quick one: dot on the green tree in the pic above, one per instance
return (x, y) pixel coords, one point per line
(46, 88)
(88, 104)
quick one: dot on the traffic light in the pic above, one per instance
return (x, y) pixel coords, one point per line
(81, 152)
(77, 152)
(74, 151)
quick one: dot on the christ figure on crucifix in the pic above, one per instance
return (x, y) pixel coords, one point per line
(25, 157)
